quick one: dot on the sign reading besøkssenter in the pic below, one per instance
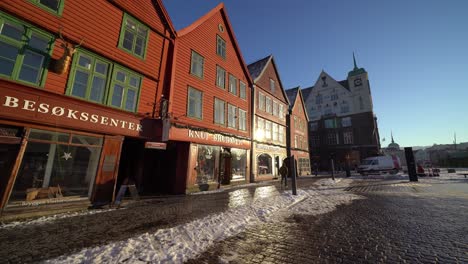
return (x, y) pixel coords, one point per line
(60, 110)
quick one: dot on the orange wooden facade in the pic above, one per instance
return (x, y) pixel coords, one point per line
(299, 134)
(201, 37)
(97, 24)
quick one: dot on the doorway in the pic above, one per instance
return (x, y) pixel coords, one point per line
(225, 165)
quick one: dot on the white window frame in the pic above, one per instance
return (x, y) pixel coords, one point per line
(198, 106)
(197, 63)
(220, 77)
(219, 112)
(232, 111)
(242, 120)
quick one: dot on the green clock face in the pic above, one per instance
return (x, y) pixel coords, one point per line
(357, 82)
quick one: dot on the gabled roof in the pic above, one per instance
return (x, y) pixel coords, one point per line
(257, 69)
(306, 92)
(166, 16)
(293, 93)
(219, 9)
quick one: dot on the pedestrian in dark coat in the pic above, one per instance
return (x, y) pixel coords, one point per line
(284, 174)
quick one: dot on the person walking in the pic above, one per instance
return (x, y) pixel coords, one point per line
(284, 174)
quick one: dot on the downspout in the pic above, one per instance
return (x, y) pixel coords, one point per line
(159, 76)
(252, 129)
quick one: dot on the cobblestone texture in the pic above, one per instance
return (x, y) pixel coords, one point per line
(33, 243)
(400, 222)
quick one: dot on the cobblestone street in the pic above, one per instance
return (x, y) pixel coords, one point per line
(399, 222)
(36, 242)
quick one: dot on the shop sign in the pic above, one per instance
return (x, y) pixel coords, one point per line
(155, 145)
(213, 137)
(269, 148)
(65, 111)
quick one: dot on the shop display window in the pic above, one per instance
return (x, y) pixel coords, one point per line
(207, 159)
(56, 166)
(239, 164)
(264, 164)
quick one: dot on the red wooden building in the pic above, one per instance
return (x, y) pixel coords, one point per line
(80, 86)
(299, 131)
(209, 107)
(271, 107)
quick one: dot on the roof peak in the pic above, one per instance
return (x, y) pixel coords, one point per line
(356, 70)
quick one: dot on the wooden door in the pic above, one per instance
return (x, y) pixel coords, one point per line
(106, 179)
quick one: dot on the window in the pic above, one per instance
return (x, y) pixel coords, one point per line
(272, 85)
(206, 163)
(88, 77)
(219, 112)
(264, 164)
(261, 101)
(348, 137)
(295, 123)
(330, 123)
(275, 108)
(133, 36)
(242, 90)
(334, 97)
(281, 111)
(53, 6)
(295, 141)
(267, 129)
(268, 105)
(328, 110)
(344, 107)
(313, 126)
(242, 120)
(24, 51)
(97, 80)
(315, 140)
(125, 89)
(196, 64)
(346, 122)
(260, 128)
(281, 134)
(319, 99)
(332, 138)
(220, 47)
(275, 131)
(231, 116)
(220, 77)
(361, 103)
(232, 84)
(57, 161)
(195, 103)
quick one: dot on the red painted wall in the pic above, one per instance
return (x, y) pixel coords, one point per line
(299, 111)
(99, 22)
(202, 39)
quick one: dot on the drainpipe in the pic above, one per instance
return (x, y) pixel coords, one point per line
(252, 128)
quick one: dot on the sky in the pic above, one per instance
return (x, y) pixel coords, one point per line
(415, 53)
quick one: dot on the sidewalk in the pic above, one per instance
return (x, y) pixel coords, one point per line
(53, 236)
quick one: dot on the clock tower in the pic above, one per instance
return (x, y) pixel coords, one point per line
(359, 85)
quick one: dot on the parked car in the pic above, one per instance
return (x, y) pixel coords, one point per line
(379, 164)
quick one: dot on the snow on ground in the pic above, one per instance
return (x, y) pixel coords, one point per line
(48, 219)
(180, 243)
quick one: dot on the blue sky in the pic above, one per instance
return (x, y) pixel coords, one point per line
(416, 54)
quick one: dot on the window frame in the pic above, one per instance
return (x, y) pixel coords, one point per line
(219, 49)
(242, 95)
(232, 124)
(48, 9)
(242, 119)
(231, 79)
(188, 102)
(214, 112)
(272, 85)
(261, 101)
(23, 46)
(268, 106)
(192, 61)
(72, 75)
(218, 69)
(122, 34)
(116, 67)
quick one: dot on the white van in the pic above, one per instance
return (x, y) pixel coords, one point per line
(378, 164)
